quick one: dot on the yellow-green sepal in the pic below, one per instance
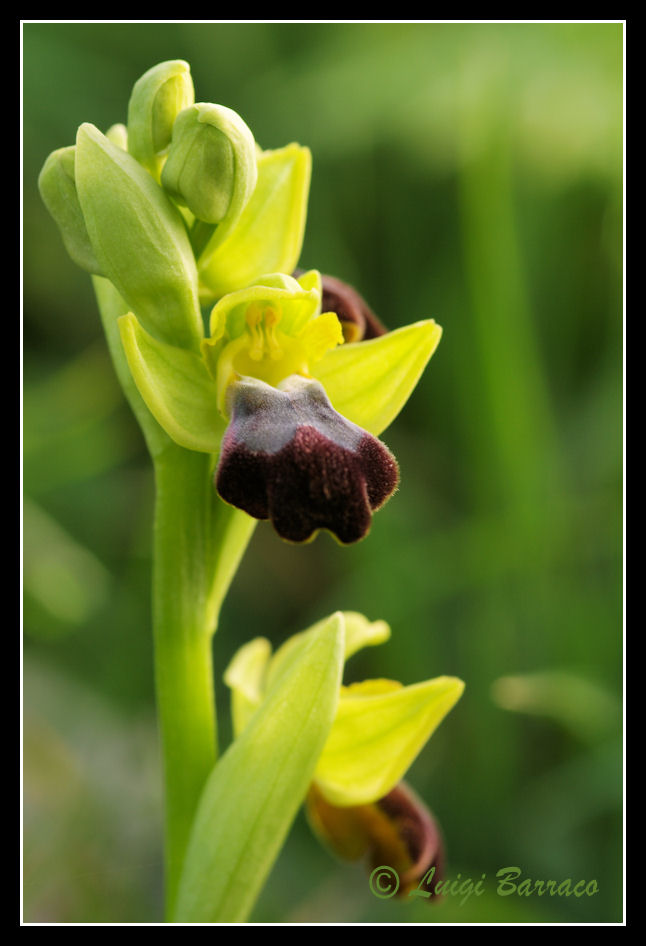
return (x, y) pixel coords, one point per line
(176, 387)
(268, 235)
(379, 729)
(157, 97)
(255, 790)
(138, 238)
(253, 668)
(369, 382)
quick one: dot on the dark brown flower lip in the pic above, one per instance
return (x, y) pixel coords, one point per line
(358, 321)
(288, 456)
(419, 832)
(397, 830)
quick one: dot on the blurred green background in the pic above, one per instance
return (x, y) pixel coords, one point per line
(467, 172)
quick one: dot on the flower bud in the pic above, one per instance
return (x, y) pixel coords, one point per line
(156, 100)
(211, 164)
(57, 185)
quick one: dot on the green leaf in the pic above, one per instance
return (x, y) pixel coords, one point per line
(255, 790)
(269, 233)
(139, 239)
(175, 386)
(380, 728)
(369, 382)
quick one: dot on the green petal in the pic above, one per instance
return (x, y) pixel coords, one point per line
(378, 732)
(139, 239)
(176, 387)
(269, 233)
(311, 280)
(369, 382)
(245, 676)
(297, 304)
(253, 794)
(360, 632)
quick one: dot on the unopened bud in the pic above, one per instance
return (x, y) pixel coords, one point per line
(156, 100)
(211, 164)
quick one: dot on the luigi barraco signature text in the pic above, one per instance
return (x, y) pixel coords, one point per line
(384, 883)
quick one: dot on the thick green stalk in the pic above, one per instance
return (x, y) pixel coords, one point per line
(182, 632)
(198, 544)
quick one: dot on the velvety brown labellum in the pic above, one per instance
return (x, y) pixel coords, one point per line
(358, 321)
(398, 831)
(288, 456)
(416, 827)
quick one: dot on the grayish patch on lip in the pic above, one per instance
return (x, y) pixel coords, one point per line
(267, 418)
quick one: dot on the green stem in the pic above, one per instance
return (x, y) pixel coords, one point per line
(198, 544)
(182, 632)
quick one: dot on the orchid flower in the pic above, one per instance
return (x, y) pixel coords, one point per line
(290, 409)
(357, 803)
